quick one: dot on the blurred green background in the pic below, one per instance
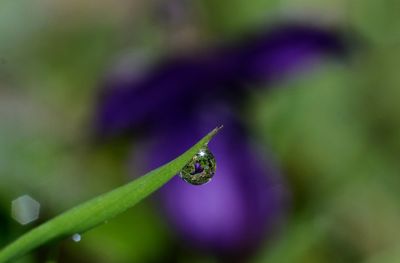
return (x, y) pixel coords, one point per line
(335, 130)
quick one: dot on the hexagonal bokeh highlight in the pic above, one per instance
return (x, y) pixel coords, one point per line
(25, 209)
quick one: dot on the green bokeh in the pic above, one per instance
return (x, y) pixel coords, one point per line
(334, 130)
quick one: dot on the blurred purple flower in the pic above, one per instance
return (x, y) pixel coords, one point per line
(233, 211)
(176, 86)
(181, 99)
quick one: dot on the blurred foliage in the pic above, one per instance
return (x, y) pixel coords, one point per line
(335, 130)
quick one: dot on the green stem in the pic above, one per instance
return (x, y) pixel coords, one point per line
(96, 211)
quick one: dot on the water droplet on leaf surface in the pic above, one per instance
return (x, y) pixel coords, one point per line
(76, 237)
(200, 169)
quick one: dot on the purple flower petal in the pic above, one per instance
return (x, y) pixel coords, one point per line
(244, 201)
(174, 88)
(285, 50)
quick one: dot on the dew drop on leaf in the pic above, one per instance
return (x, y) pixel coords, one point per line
(200, 169)
(76, 237)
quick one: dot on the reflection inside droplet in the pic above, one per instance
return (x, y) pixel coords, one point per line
(76, 237)
(200, 169)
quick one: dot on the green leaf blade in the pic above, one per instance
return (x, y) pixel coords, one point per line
(96, 211)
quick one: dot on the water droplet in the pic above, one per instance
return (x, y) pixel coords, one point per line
(76, 237)
(200, 169)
